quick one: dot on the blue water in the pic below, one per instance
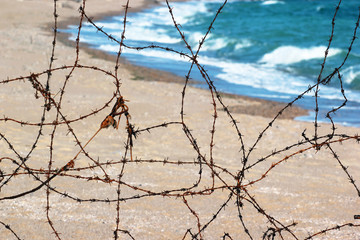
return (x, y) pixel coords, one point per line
(266, 49)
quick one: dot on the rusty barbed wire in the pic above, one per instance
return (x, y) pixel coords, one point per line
(10, 229)
(233, 184)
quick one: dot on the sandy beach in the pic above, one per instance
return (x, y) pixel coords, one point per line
(179, 181)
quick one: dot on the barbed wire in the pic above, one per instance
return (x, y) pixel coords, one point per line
(234, 186)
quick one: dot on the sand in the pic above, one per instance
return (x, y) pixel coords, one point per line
(309, 188)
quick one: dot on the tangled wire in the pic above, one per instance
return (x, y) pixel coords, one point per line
(215, 183)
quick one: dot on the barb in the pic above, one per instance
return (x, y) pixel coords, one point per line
(10, 229)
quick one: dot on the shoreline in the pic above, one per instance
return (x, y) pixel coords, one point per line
(256, 107)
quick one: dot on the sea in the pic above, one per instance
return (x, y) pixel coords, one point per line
(268, 49)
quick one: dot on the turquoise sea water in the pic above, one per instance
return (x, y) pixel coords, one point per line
(266, 49)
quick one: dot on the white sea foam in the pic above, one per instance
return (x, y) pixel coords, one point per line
(160, 54)
(219, 43)
(209, 44)
(113, 48)
(248, 74)
(215, 44)
(271, 79)
(143, 27)
(110, 48)
(262, 77)
(254, 75)
(182, 12)
(194, 38)
(319, 8)
(111, 25)
(270, 2)
(350, 73)
(244, 43)
(140, 29)
(290, 54)
(136, 33)
(351, 107)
